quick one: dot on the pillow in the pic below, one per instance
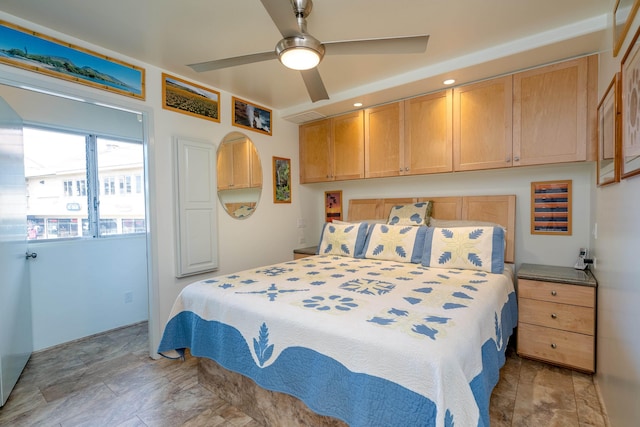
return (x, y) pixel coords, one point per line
(447, 223)
(413, 214)
(402, 243)
(471, 248)
(343, 239)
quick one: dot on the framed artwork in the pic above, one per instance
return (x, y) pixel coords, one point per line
(630, 152)
(250, 116)
(332, 206)
(281, 180)
(37, 52)
(623, 13)
(609, 134)
(190, 98)
(551, 207)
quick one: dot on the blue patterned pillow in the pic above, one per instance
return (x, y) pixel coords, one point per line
(343, 239)
(402, 243)
(413, 214)
(471, 248)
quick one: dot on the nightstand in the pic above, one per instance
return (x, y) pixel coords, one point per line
(304, 252)
(557, 315)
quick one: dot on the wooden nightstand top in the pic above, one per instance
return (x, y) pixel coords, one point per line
(311, 250)
(552, 273)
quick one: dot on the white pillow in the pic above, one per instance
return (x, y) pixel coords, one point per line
(343, 239)
(402, 243)
(411, 214)
(470, 248)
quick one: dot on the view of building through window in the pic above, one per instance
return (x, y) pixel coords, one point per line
(82, 185)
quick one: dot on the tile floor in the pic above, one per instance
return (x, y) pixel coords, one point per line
(109, 380)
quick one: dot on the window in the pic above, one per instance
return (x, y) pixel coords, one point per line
(82, 185)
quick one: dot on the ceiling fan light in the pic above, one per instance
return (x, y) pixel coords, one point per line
(299, 58)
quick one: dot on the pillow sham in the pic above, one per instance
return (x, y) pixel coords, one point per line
(447, 223)
(411, 214)
(401, 243)
(343, 239)
(471, 248)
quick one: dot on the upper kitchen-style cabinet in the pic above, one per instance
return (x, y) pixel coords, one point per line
(383, 136)
(550, 114)
(237, 163)
(428, 133)
(482, 136)
(332, 149)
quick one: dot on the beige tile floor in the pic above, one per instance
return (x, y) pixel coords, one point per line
(109, 380)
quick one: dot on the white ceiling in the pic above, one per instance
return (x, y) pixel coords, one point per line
(469, 40)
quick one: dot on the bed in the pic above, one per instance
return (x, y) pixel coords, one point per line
(378, 329)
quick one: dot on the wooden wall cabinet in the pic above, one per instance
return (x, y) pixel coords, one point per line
(428, 134)
(550, 114)
(332, 149)
(383, 136)
(238, 165)
(482, 137)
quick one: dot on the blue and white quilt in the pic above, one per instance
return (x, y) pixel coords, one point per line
(371, 342)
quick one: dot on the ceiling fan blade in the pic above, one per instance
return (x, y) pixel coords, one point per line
(232, 62)
(313, 82)
(412, 44)
(283, 15)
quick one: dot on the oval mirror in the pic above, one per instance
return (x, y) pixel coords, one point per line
(239, 175)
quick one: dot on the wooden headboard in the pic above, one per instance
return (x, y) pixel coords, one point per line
(498, 209)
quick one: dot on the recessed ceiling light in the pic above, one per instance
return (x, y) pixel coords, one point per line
(449, 81)
(357, 104)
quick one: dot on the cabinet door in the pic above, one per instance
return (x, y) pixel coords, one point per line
(383, 135)
(347, 135)
(428, 135)
(482, 125)
(315, 152)
(225, 167)
(241, 164)
(256, 167)
(550, 114)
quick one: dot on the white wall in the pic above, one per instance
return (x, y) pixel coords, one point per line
(543, 249)
(78, 287)
(618, 272)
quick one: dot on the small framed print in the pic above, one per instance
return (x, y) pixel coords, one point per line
(551, 207)
(250, 116)
(333, 206)
(281, 180)
(630, 153)
(190, 98)
(609, 134)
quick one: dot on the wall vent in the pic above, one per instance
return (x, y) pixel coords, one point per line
(305, 117)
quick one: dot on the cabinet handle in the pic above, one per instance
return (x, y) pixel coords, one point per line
(553, 346)
(554, 316)
(554, 293)
(507, 160)
(516, 159)
(406, 168)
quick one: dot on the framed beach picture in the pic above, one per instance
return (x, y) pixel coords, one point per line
(250, 116)
(190, 98)
(630, 153)
(281, 180)
(36, 52)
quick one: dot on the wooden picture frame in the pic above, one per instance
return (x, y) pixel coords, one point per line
(190, 98)
(630, 147)
(624, 11)
(551, 207)
(250, 116)
(29, 50)
(333, 206)
(608, 170)
(281, 180)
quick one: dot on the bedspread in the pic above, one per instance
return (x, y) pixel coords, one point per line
(369, 342)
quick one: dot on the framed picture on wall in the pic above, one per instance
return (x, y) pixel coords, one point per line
(281, 180)
(332, 206)
(37, 52)
(250, 116)
(551, 207)
(630, 156)
(609, 134)
(623, 13)
(189, 98)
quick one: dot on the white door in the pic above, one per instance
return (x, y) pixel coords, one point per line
(16, 341)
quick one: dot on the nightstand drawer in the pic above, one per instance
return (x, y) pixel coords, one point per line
(571, 318)
(557, 292)
(552, 345)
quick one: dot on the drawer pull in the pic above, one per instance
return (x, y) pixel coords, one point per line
(554, 293)
(554, 316)
(553, 346)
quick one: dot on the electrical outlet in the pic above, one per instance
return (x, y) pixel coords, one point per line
(128, 297)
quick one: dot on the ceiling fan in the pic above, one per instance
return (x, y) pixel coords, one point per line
(299, 50)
